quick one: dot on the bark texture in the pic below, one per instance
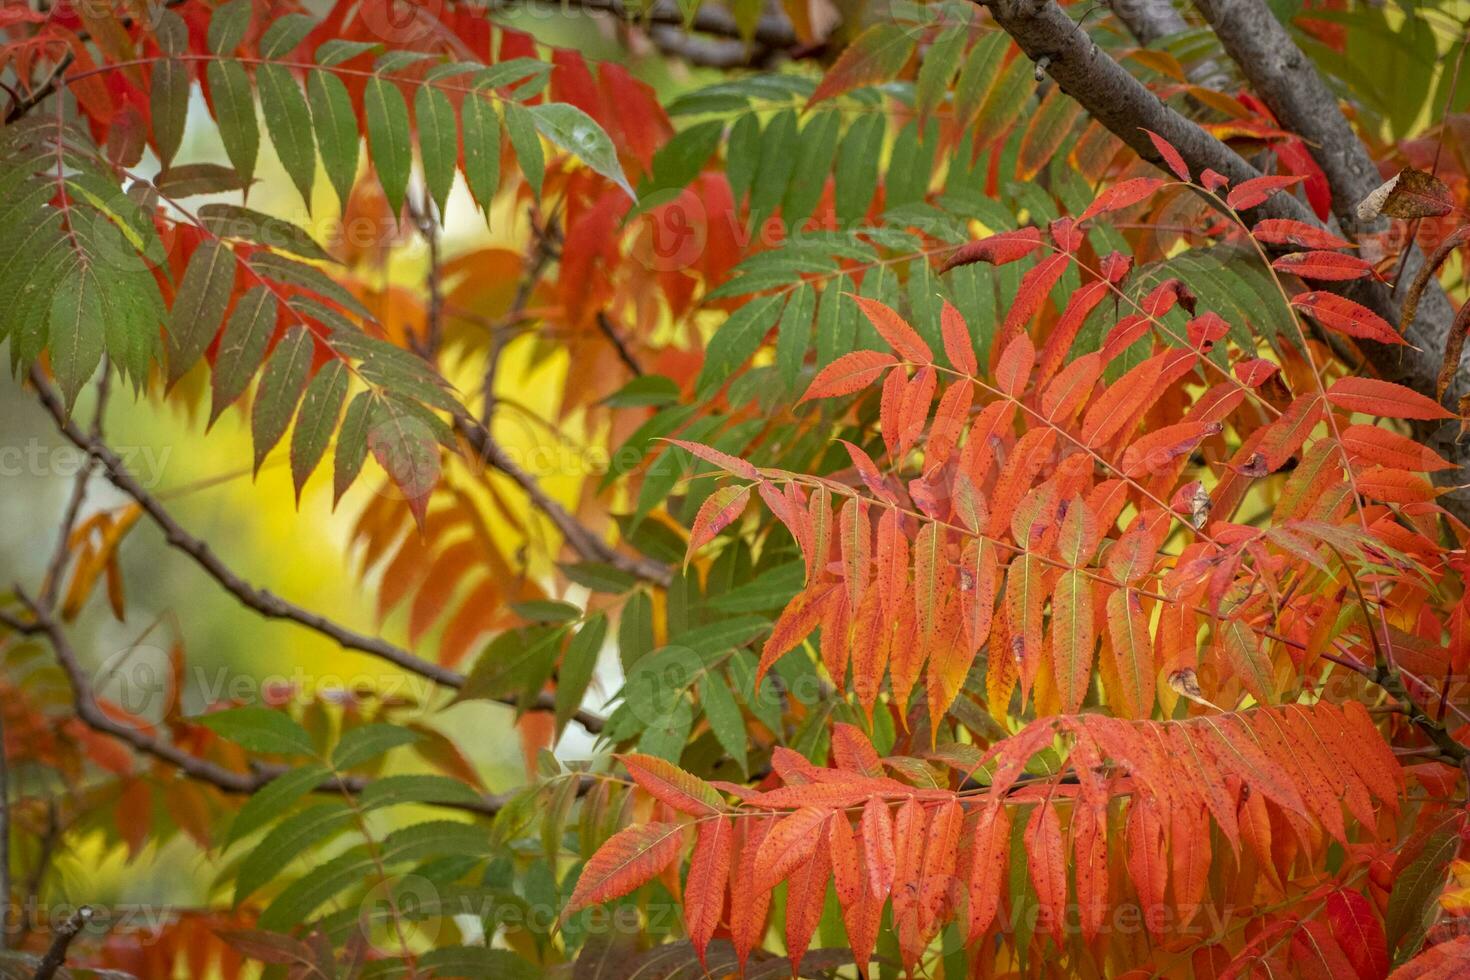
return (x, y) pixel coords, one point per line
(1126, 107)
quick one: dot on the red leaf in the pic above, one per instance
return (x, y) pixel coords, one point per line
(1007, 246)
(1357, 930)
(1325, 266)
(790, 842)
(630, 858)
(957, 344)
(1213, 180)
(1256, 190)
(1048, 866)
(1014, 368)
(726, 462)
(1384, 398)
(878, 854)
(1343, 315)
(715, 514)
(671, 785)
(704, 890)
(1385, 448)
(989, 861)
(1171, 156)
(892, 327)
(1284, 231)
(1123, 194)
(849, 373)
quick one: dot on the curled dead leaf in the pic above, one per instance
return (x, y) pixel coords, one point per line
(1408, 194)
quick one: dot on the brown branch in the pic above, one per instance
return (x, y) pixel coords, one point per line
(265, 603)
(84, 703)
(1284, 77)
(61, 942)
(1126, 107)
(578, 536)
(610, 331)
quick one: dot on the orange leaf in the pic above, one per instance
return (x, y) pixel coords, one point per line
(1346, 317)
(1384, 398)
(849, 373)
(958, 346)
(1048, 867)
(1006, 247)
(904, 340)
(630, 858)
(704, 890)
(671, 785)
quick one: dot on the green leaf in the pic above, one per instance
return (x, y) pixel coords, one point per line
(288, 120)
(278, 267)
(794, 335)
(815, 150)
(338, 50)
(937, 68)
(579, 134)
(234, 111)
(599, 576)
(168, 103)
(358, 745)
(351, 444)
(274, 798)
(280, 389)
(511, 661)
(260, 730)
(635, 629)
(546, 611)
(773, 172)
(388, 138)
(242, 347)
(432, 838)
(679, 161)
(285, 33)
(305, 895)
(336, 129)
(320, 407)
(232, 221)
(1414, 893)
(416, 788)
(772, 589)
(78, 311)
(577, 665)
(724, 717)
(742, 154)
(481, 125)
(649, 389)
(193, 179)
(228, 26)
(199, 305)
(438, 142)
(855, 178)
(477, 963)
(521, 128)
(404, 444)
(735, 341)
(286, 841)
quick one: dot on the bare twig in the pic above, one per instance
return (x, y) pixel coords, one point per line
(84, 702)
(61, 942)
(610, 331)
(578, 536)
(543, 249)
(263, 602)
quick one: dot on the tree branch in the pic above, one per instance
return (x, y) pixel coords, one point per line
(263, 602)
(1284, 77)
(1126, 107)
(61, 942)
(578, 536)
(84, 701)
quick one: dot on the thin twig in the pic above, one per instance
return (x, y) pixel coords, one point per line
(61, 942)
(261, 601)
(605, 324)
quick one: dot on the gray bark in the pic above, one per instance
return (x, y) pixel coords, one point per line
(1126, 107)
(1285, 79)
